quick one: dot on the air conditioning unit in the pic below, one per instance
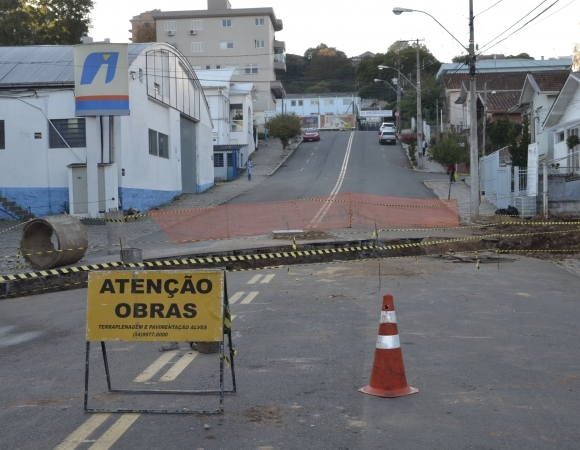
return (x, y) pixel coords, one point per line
(170, 33)
(193, 32)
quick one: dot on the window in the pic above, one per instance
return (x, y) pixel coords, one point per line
(196, 25)
(2, 138)
(250, 69)
(226, 45)
(196, 47)
(207, 67)
(218, 67)
(158, 144)
(259, 21)
(573, 153)
(328, 102)
(300, 102)
(237, 115)
(313, 102)
(218, 160)
(292, 102)
(72, 130)
(156, 87)
(260, 43)
(346, 101)
(560, 136)
(227, 23)
(170, 25)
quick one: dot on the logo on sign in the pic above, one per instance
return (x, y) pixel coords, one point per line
(93, 64)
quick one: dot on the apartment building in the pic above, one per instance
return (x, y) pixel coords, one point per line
(222, 37)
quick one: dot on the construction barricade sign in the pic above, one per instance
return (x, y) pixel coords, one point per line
(145, 306)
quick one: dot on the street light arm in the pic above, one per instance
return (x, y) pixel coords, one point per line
(386, 82)
(397, 10)
(409, 81)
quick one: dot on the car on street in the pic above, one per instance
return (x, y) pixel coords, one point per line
(387, 126)
(388, 137)
(311, 134)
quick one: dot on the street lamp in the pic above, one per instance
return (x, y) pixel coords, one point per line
(474, 157)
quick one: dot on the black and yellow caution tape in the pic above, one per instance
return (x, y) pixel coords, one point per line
(12, 228)
(256, 256)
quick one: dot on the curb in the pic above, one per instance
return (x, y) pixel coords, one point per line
(284, 160)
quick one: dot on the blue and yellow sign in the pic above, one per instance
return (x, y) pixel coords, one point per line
(101, 80)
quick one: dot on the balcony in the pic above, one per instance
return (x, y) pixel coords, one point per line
(280, 61)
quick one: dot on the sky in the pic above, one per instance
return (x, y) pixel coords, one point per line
(373, 27)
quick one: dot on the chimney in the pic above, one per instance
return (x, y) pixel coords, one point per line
(218, 4)
(87, 40)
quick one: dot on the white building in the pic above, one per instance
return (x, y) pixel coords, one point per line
(564, 121)
(162, 149)
(231, 107)
(326, 110)
(222, 37)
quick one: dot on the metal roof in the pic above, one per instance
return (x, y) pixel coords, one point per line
(215, 77)
(44, 65)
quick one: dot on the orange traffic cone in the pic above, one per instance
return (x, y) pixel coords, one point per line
(388, 376)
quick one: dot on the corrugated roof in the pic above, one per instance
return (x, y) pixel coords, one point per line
(215, 77)
(502, 101)
(508, 65)
(44, 65)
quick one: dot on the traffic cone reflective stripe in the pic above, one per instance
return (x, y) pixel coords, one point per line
(388, 377)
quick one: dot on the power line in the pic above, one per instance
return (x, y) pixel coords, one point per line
(529, 21)
(487, 9)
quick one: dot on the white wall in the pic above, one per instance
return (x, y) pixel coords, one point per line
(571, 113)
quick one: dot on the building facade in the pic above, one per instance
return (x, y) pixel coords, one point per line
(224, 37)
(162, 149)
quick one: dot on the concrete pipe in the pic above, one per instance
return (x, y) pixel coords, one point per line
(37, 237)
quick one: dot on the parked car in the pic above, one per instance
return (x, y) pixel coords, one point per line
(311, 134)
(388, 137)
(387, 126)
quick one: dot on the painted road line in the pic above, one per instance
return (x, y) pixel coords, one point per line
(233, 316)
(328, 203)
(268, 278)
(83, 432)
(251, 296)
(254, 279)
(107, 440)
(307, 161)
(301, 169)
(234, 298)
(179, 366)
(150, 371)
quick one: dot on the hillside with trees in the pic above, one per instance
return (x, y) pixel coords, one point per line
(402, 55)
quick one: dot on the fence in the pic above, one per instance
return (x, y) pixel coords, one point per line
(323, 213)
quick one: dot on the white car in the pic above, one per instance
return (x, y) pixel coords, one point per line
(387, 126)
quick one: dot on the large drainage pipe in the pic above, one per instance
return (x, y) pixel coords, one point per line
(38, 247)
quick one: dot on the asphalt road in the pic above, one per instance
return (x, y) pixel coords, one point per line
(494, 352)
(314, 170)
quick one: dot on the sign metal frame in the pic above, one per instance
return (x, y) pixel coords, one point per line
(223, 358)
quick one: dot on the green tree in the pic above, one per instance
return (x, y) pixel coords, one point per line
(459, 58)
(323, 86)
(451, 149)
(284, 127)
(520, 56)
(519, 151)
(145, 33)
(498, 132)
(44, 22)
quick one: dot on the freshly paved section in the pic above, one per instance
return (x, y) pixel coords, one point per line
(494, 352)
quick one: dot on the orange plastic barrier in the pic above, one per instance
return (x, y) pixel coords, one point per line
(324, 213)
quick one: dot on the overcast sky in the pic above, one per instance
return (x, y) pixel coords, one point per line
(371, 25)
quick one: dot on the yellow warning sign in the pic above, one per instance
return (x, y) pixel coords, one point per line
(172, 305)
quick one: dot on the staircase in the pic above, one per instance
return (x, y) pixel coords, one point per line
(14, 210)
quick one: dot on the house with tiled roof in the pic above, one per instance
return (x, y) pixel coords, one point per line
(563, 120)
(500, 90)
(538, 94)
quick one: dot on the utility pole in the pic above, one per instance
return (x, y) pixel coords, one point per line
(399, 96)
(419, 115)
(484, 116)
(474, 156)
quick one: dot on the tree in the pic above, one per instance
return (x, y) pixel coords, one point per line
(44, 22)
(498, 132)
(459, 59)
(451, 149)
(519, 152)
(284, 127)
(145, 33)
(323, 86)
(520, 56)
